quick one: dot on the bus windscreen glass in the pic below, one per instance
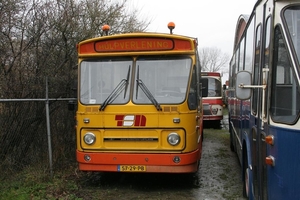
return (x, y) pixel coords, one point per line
(166, 79)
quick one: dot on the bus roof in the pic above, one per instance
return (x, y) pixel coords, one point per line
(137, 42)
(239, 29)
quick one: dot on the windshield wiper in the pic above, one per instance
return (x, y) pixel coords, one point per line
(126, 86)
(140, 83)
(116, 92)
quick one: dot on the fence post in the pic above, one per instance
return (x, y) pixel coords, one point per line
(48, 129)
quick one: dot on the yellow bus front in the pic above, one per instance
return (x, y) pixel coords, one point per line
(139, 112)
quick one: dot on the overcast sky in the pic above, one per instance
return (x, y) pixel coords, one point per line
(213, 22)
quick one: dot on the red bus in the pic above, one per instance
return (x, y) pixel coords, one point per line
(212, 97)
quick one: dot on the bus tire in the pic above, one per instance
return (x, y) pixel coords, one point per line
(217, 124)
(198, 166)
(246, 184)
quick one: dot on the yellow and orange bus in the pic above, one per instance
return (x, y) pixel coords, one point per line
(139, 104)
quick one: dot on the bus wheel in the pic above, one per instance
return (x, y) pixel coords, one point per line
(198, 165)
(246, 182)
(217, 124)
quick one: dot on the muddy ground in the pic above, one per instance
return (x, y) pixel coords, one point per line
(219, 177)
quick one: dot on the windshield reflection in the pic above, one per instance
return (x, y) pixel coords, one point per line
(212, 87)
(166, 79)
(99, 81)
(157, 80)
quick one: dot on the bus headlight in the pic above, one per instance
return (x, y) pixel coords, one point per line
(89, 138)
(214, 111)
(173, 139)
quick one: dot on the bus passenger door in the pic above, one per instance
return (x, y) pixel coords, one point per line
(259, 101)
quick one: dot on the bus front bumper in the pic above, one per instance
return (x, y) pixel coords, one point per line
(138, 162)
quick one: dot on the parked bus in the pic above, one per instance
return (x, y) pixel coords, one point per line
(264, 99)
(213, 97)
(139, 103)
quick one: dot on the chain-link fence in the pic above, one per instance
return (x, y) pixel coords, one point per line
(36, 133)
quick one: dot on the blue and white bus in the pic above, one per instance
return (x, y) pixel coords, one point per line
(264, 99)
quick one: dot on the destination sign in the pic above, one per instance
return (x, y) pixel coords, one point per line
(134, 44)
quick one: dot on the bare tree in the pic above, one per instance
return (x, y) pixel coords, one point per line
(212, 60)
(38, 39)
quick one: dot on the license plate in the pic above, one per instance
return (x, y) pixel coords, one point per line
(131, 168)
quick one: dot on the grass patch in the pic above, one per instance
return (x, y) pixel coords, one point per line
(34, 184)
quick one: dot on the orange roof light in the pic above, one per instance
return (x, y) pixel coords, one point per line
(105, 29)
(171, 26)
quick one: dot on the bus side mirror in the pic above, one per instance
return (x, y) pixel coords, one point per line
(204, 87)
(224, 87)
(243, 79)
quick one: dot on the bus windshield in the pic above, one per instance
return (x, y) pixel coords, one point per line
(105, 81)
(214, 87)
(292, 18)
(165, 79)
(157, 81)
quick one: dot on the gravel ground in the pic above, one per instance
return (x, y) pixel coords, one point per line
(220, 170)
(219, 177)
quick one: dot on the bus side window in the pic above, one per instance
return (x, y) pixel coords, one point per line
(256, 70)
(192, 98)
(283, 84)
